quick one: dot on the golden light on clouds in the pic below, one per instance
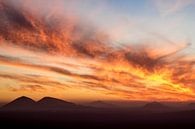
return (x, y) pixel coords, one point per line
(45, 56)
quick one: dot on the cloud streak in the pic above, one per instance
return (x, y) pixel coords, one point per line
(76, 54)
(170, 7)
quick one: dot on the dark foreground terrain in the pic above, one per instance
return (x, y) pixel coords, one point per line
(54, 113)
(96, 119)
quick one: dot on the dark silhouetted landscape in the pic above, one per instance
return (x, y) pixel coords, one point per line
(55, 113)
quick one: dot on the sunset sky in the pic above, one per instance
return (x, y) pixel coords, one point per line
(86, 50)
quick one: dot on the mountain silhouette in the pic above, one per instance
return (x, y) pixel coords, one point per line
(46, 103)
(101, 104)
(49, 103)
(20, 103)
(155, 105)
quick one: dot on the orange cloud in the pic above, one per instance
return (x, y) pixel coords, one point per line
(78, 55)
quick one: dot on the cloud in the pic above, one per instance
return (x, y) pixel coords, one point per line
(53, 35)
(63, 51)
(33, 80)
(28, 88)
(169, 7)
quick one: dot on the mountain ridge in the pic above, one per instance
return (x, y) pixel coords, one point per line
(24, 102)
(21, 102)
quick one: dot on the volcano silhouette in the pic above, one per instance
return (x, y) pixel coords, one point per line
(46, 103)
(21, 103)
(49, 102)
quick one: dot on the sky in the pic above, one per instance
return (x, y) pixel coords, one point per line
(87, 50)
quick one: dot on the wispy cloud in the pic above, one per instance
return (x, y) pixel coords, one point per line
(169, 7)
(72, 54)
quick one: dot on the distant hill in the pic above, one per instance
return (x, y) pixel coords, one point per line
(101, 104)
(21, 103)
(191, 105)
(49, 102)
(155, 105)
